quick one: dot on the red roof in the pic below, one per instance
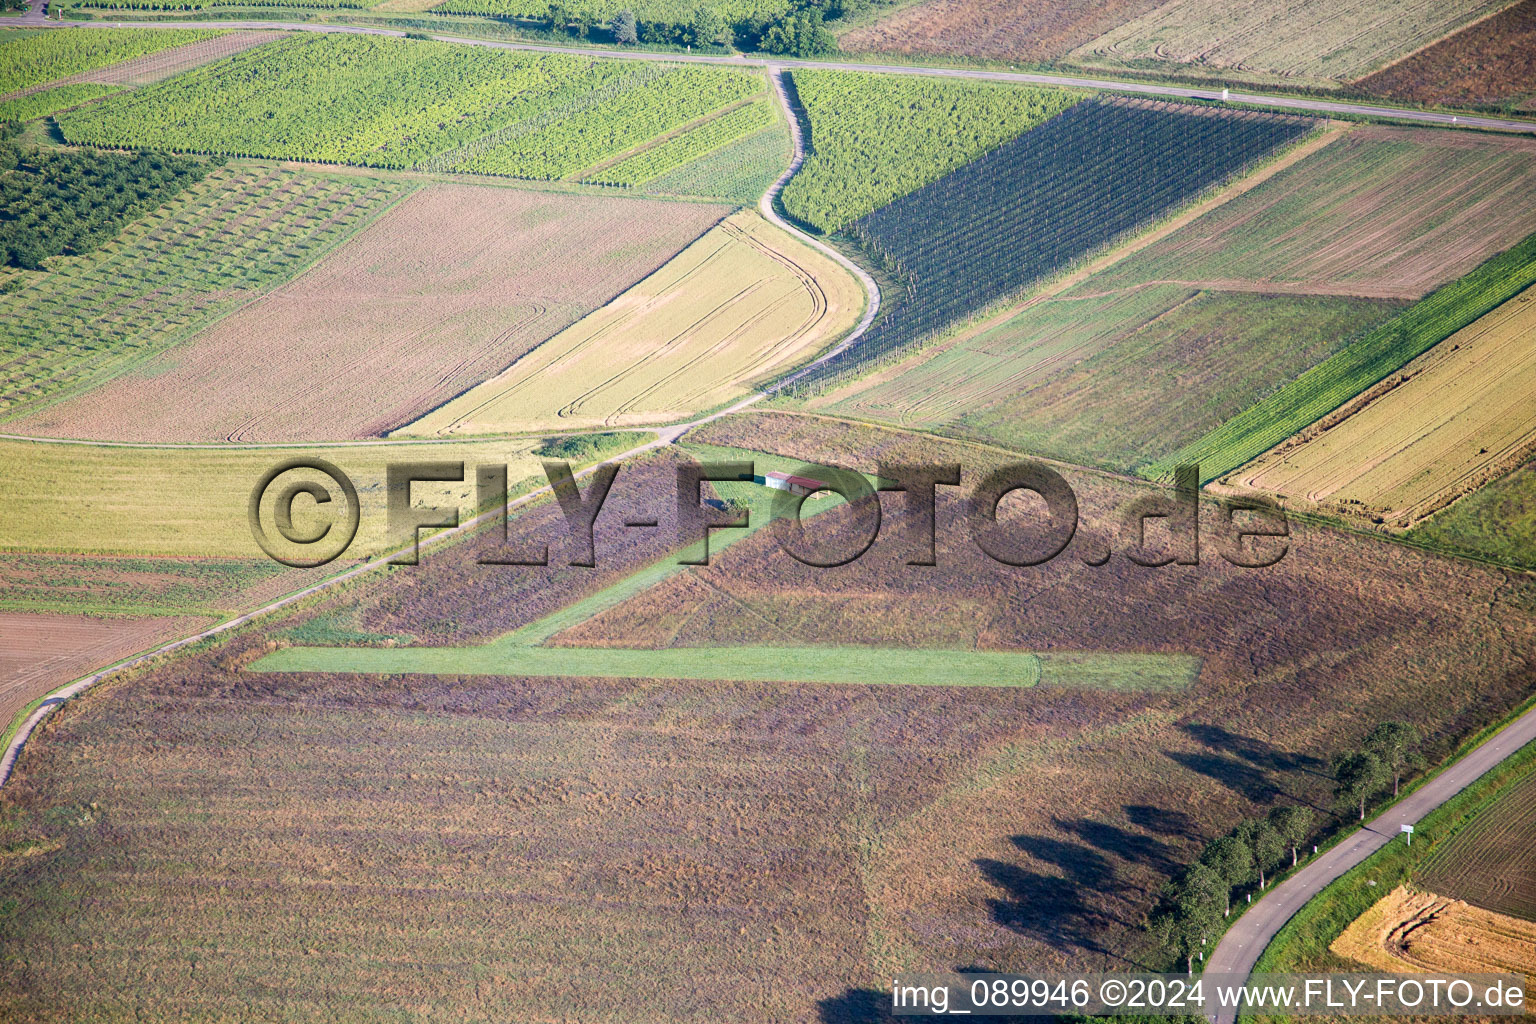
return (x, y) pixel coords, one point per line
(802, 481)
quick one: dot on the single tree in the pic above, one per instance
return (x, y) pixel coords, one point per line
(559, 17)
(1200, 901)
(1232, 861)
(625, 29)
(1396, 745)
(706, 27)
(1359, 775)
(1294, 823)
(1268, 847)
(1174, 935)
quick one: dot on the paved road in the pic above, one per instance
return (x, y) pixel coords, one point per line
(1300, 104)
(1240, 947)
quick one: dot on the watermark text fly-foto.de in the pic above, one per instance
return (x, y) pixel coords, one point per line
(306, 511)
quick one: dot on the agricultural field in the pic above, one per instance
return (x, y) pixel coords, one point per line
(39, 652)
(1446, 423)
(1379, 213)
(40, 103)
(463, 279)
(399, 103)
(743, 303)
(606, 126)
(92, 499)
(217, 246)
(1491, 862)
(796, 842)
(1117, 378)
(740, 172)
(1367, 361)
(1294, 41)
(162, 64)
(688, 145)
(1030, 208)
(1489, 63)
(116, 585)
(1409, 932)
(1496, 522)
(52, 203)
(36, 59)
(874, 138)
(1032, 31)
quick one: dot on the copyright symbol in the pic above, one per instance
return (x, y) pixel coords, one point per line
(318, 538)
(1112, 992)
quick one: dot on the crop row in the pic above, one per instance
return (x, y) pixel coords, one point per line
(38, 104)
(1383, 351)
(198, 5)
(46, 56)
(212, 249)
(741, 171)
(617, 124)
(686, 146)
(340, 98)
(1052, 195)
(666, 11)
(874, 138)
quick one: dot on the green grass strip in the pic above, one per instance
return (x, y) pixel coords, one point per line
(834, 665)
(1380, 353)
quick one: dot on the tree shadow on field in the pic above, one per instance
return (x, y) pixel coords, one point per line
(856, 1006)
(1239, 776)
(1260, 753)
(1163, 822)
(1123, 843)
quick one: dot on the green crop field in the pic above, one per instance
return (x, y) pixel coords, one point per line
(1116, 378)
(1335, 381)
(874, 138)
(402, 103)
(72, 202)
(212, 249)
(48, 101)
(1497, 522)
(116, 585)
(567, 145)
(686, 146)
(741, 171)
(47, 56)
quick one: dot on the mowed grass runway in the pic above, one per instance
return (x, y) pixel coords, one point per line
(1437, 429)
(743, 302)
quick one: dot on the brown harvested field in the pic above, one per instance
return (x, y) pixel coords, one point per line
(1491, 62)
(1491, 862)
(1411, 932)
(1032, 30)
(1451, 420)
(445, 290)
(41, 652)
(543, 843)
(1387, 213)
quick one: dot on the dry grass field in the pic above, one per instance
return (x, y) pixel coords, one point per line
(1036, 30)
(1296, 40)
(1446, 423)
(1415, 932)
(192, 502)
(544, 843)
(454, 284)
(743, 302)
(1492, 861)
(1380, 213)
(41, 652)
(1490, 62)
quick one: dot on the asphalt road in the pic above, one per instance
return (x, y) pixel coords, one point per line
(1299, 104)
(1240, 947)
